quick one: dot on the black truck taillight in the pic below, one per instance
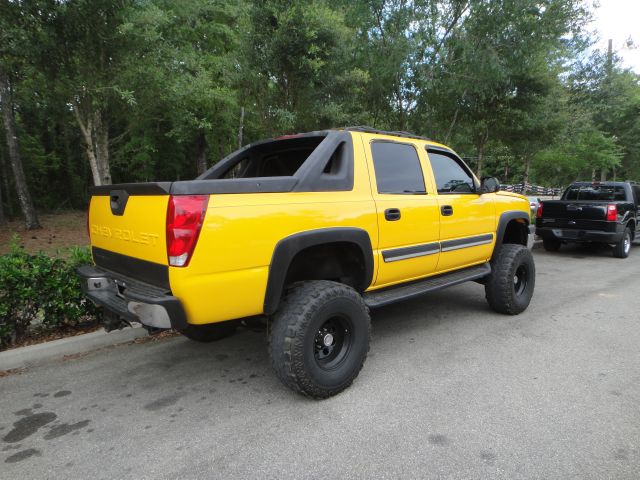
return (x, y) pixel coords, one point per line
(612, 212)
(185, 215)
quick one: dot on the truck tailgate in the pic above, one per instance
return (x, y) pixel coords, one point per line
(130, 221)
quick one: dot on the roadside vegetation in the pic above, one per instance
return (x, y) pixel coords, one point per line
(40, 295)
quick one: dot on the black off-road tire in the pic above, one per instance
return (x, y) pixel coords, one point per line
(510, 286)
(308, 313)
(551, 244)
(623, 247)
(210, 332)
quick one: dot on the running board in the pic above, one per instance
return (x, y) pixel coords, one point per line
(378, 298)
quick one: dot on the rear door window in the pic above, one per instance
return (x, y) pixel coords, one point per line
(397, 168)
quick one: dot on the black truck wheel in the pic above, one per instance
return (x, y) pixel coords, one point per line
(320, 338)
(623, 247)
(551, 244)
(210, 332)
(510, 286)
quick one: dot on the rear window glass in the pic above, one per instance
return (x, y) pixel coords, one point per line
(603, 193)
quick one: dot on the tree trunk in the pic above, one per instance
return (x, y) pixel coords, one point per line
(527, 166)
(506, 171)
(30, 215)
(201, 152)
(5, 184)
(241, 128)
(96, 140)
(593, 174)
(603, 175)
(102, 147)
(3, 219)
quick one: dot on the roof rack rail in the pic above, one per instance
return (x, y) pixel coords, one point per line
(397, 133)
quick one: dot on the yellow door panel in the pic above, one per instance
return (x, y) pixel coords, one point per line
(408, 247)
(467, 219)
(406, 208)
(467, 235)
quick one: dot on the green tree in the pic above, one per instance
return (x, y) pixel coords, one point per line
(15, 24)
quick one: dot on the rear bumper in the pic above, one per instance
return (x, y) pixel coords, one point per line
(130, 299)
(576, 235)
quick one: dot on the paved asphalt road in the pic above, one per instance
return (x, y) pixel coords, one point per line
(450, 390)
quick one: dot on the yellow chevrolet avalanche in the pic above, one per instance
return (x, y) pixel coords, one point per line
(309, 231)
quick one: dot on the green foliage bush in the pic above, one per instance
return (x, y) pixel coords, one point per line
(38, 292)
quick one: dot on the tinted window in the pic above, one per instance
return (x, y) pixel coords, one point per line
(450, 176)
(397, 168)
(597, 193)
(636, 192)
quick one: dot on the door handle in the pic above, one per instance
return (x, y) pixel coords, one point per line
(446, 210)
(392, 214)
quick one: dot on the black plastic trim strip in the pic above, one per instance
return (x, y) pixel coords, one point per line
(235, 185)
(405, 291)
(459, 243)
(139, 189)
(405, 253)
(142, 270)
(505, 218)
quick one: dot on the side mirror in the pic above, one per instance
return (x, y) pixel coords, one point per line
(489, 185)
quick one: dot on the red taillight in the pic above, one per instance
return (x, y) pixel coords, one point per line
(612, 213)
(185, 215)
(539, 211)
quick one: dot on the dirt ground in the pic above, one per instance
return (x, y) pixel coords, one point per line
(59, 231)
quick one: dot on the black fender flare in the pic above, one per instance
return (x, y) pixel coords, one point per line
(505, 218)
(287, 248)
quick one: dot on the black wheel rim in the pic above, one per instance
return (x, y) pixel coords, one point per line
(520, 279)
(332, 342)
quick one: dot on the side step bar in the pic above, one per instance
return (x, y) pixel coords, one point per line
(378, 298)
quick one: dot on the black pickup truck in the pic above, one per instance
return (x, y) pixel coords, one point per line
(598, 212)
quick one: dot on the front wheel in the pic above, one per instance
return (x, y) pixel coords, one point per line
(510, 286)
(623, 247)
(320, 338)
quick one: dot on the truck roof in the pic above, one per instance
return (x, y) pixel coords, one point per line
(604, 183)
(392, 133)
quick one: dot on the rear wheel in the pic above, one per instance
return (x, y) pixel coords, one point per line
(551, 244)
(510, 286)
(210, 332)
(623, 247)
(320, 338)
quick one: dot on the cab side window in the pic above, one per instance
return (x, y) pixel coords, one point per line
(451, 177)
(397, 168)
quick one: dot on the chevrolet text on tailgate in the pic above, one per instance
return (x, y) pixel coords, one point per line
(309, 231)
